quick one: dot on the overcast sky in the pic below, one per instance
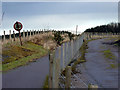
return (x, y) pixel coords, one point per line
(58, 15)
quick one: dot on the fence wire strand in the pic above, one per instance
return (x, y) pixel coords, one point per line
(80, 79)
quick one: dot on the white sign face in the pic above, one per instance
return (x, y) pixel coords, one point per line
(18, 26)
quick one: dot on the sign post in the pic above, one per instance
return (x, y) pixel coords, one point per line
(18, 26)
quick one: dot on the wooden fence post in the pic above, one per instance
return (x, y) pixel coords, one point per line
(30, 33)
(68, 77)
(35, 32)
(55, 72)
(72, 48)
(56, 78)
(10, 34)
(67, 52)
(57, 69)
(44, 31)
(63, 55)
(41, 31)
(27, 33)
(51, 59)
(38, 32)
(23, 34)
(14, 35)
(4, 35)
(59, 54)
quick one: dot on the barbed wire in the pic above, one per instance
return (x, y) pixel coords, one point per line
(72, 85)
(80, 80)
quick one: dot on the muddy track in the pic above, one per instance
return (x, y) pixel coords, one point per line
(97, 68)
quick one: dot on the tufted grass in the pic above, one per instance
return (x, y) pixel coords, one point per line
(21, 55)
(108, 54)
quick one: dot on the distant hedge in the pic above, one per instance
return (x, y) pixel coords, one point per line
(112, 27)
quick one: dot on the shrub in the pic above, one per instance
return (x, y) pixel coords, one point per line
(70, 35)
(58, 38)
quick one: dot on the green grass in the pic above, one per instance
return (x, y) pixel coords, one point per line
(21, 55)
(112, 66)
(108, 54)
(0, 66)
(46, 82)
(81, 59)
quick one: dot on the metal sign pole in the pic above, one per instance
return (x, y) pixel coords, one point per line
(20, 38)
(18, 26)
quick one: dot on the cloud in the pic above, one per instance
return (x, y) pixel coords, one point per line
(60, 0)
(61, 21)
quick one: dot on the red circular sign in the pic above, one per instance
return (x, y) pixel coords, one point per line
(18, 26)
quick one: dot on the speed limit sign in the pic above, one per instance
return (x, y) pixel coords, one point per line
(18, 26)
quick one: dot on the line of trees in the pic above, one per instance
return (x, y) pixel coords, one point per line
(109, 28)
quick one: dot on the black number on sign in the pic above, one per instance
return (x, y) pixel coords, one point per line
(18, 26)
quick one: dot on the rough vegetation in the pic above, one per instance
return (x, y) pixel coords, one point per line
(58, 38)
(81, 59)
(46, 82)
(117, 43)
(70, 36)
(14, 55)
(108, 54)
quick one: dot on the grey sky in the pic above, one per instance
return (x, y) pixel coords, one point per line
(26, 8)
(59, 15)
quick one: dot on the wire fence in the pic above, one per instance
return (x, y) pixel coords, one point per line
(65, 54)
(68, 51)
(62, 57)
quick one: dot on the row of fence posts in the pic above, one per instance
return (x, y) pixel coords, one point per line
(14, 38)
(100, 35)
(55, 70)
(29, 34)
(54, 65)
(34, 32)
(25, 36)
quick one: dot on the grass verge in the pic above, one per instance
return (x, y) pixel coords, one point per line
(81, 59)
(15, 56)
(46, 82)
(108, 54)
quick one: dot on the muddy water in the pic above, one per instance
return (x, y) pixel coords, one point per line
(97, 69)
(29, 76)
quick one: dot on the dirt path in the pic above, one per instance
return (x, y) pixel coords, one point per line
(29, 76)
(97, 69)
